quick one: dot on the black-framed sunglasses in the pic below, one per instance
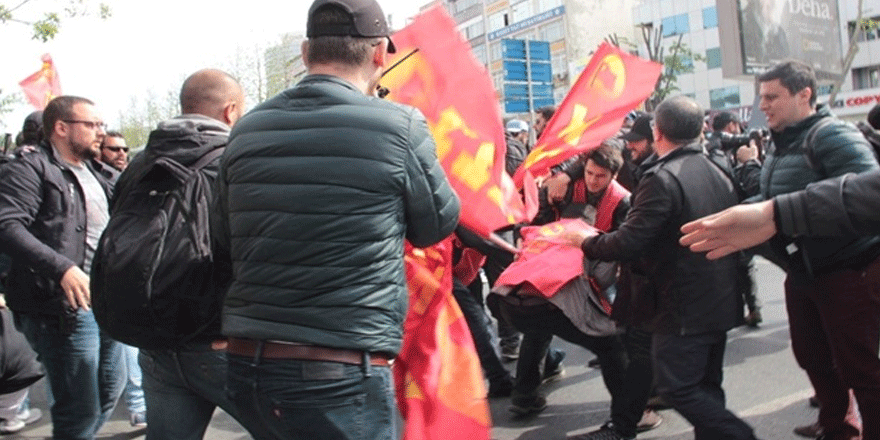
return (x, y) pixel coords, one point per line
(116, 149)
(92, 125)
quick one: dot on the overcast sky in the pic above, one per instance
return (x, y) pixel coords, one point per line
(150, 45)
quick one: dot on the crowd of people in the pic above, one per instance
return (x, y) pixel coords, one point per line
(289, 269)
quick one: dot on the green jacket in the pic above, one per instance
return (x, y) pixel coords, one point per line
(317, 190)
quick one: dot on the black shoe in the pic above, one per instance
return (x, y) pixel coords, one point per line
(553, 368)
(501, 388)
(594, 363)
(525, 406)
(606, 432)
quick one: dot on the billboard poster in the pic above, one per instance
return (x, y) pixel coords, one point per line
(806, 30)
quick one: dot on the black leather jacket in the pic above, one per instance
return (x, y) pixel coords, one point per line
(673, 290)
(42, 227)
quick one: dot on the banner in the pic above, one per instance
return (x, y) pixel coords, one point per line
(438, 377)
(547, 262)
(43, 85)
(612, 84)
(453, 90)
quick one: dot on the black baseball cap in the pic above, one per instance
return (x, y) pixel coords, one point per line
(367, 20)
(641, 129)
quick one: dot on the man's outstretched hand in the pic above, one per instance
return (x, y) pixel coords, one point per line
(734, 229)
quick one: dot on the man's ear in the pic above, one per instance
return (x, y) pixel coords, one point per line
(380, 54)
(230, 113)
(805, 94)
(304, 49)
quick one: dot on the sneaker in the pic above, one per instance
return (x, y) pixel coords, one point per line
(138, 419)
(606, 432)
(813, 430)
(501, 388)
(525, 406)
(21, 420)
(594, 363)
(553, 368)
(650, 420)
(754, 318)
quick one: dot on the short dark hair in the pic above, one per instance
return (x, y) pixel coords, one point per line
(794, 76)
(874, 117)
(346, 50)
(679, 119)
(722, 119)
(606, 156)
(547, 111)
(111, 134)
(59, 109)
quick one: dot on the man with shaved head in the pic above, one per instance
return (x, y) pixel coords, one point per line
(184, 384)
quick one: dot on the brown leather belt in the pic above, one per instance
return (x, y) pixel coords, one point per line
(279, 350)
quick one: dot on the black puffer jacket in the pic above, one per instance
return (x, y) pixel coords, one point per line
(318, 188)
(42, 227)
(675, 291)
(838, 149)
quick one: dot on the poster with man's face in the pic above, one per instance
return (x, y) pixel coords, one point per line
(806, 30)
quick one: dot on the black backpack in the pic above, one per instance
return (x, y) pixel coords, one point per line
(153, 281)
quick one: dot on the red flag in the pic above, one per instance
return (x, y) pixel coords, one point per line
(546, 262)
(439, 380)
(612, 84)
(454, 91)
(43, 85)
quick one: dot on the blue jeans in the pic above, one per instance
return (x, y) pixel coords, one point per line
(298, 399)
(183, 387)
(134, 391)
(85, 369)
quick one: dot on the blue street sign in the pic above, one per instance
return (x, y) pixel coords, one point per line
(539, 50)
(516, 106)
(542, 72)
(515, 71)
(513, 49)
(516, 91)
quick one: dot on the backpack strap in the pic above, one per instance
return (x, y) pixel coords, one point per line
(810, 140)
(207, 158)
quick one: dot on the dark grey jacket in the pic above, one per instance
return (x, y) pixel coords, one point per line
(42, 227)
(845, 206)
(318, 188)
(673, 290)
(838, 149)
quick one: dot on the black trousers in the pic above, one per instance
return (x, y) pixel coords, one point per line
(688, 370)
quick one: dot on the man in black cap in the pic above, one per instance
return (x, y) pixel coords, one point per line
(639, 146)
(317, 191)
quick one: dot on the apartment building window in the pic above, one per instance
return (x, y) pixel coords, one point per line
(480, 53)
(710, 17)
(522, 11)
(870, 26)
(497, 21)
(553, 31)
(474, 28)
(495, 51)
(675, 25)
(461, 5)
(559, 63)
(546, 5)
(724, 97)
(866, 77)
(713, 58)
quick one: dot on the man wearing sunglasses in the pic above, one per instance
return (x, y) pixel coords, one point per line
(114, 152)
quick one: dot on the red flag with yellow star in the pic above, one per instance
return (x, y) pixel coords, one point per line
(439, 381)
(43, 85)
(612, 84)
(441, 77)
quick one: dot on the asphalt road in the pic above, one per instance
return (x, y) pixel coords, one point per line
(764, 386)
